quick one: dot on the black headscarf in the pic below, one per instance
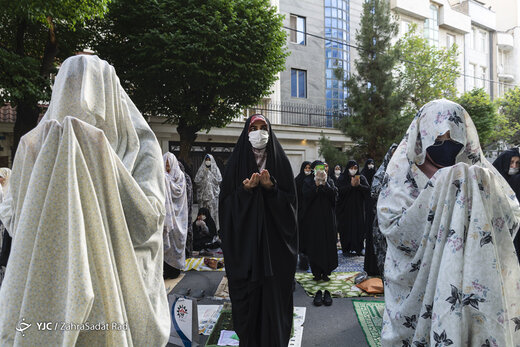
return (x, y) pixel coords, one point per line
(503, 162)
(210, 223)
(369, 173)
(245, 216)
(301, 175)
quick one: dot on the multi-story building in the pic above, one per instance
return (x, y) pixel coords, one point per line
(307, 98)
(507, 44)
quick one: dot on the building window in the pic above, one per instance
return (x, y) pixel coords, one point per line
(337, 53)
(431, 26)
(482, 41)
(471, 77)
(482, 77)
(298, 30)
(405, 27)
(450, 40)
(298, 83)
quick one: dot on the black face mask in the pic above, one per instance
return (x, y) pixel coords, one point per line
(445, 153)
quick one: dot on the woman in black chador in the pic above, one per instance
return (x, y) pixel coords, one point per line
(305, 170)
(508, 164)
(257, 209)
(318, 227)
(353, 189)
(370, 265)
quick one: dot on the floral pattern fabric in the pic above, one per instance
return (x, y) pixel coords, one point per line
(176, 219)
(208, 181)
(375, 189)
(451, 274)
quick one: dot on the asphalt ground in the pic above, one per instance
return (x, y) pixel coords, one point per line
(332, 326)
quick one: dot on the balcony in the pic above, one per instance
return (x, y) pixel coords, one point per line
(506, 73)
(479, 14)
(415, 8)
(287, 113)
(505, 41)
(454, 20)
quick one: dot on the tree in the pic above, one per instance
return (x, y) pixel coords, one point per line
(34, 36)
(427, 72)
(196, 63)
(331, 154)
(483, 112)
(508, 128)
(374, 95)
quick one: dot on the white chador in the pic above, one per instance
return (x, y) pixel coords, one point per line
(451, 274)
(176, 220)
(208, 180)
(86, 209)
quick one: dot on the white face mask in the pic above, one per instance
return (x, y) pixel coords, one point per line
(352, 172)
(337, 172)
(370, 166)
(307, 172)
(259, 138)
(208, 163)
(513, 171)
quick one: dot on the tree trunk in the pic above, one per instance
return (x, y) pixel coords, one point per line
(188, 135)
(28, 111)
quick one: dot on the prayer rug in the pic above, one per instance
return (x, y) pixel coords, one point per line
(171, 283)
(341, 284)
(370, 317)
(197, 264)
(222, 292)
(349, 264)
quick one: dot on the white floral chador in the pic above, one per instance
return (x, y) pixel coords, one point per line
(451, 274)
(176, 219)
(208, 181)
(86, 209)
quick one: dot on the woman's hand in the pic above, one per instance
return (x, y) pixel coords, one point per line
(265, 179)
(250, 183)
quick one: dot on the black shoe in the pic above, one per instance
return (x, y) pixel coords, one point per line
(318, 298)
(327, 299)
(325, 278)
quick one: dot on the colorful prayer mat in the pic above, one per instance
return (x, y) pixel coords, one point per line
(349, 264)
(341, 284)
(370, 317)
(197, 264)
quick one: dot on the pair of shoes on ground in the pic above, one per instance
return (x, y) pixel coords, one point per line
(321, 277)
(198, 294)
(322, 298)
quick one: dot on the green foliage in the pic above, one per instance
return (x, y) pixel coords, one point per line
(26, 29)
(508, 127)
(374, 94)
(427, 72)
(331, 154)
(482, 111)
(66, 12)
(196, 62)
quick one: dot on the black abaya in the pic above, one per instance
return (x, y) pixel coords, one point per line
(370, 264)
(502, 163)
(318, 226)
(350, 211)
(298, 181)
(259, 240)
(203, 237)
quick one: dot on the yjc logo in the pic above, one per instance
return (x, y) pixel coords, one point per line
(182, 311)
(22, 326)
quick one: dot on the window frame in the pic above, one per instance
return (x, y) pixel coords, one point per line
(296, 31)
(296, 93)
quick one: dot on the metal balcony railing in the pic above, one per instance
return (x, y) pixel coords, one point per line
(298, 114)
